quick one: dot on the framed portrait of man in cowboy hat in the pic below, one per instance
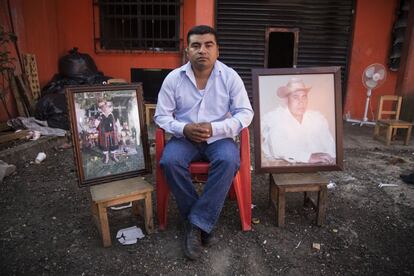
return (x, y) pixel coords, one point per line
(298, 119)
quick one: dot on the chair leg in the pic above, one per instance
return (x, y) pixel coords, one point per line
(244, 201)
(394, 134)
(162, 201)
(389, 135)
(407, 138)
(232, 193)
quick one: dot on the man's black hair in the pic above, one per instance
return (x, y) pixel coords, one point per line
(200, 30)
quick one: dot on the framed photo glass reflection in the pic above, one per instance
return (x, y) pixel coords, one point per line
(108, 132)
(298, 119)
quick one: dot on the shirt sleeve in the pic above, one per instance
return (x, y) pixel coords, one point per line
(240, 110)
(327, 141)
(166, 104)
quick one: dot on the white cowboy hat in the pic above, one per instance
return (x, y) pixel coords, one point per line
(295, 84)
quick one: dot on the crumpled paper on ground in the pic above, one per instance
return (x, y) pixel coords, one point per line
(129, 235)
(33, 124)
(6, 170)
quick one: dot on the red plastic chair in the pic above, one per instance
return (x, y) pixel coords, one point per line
(240, 189)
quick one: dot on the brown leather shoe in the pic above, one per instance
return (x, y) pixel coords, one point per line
(208, 239)
(192, 241)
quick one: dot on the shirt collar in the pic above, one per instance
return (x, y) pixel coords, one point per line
(217, 69)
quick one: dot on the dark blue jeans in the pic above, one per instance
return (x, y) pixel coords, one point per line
(224, 157)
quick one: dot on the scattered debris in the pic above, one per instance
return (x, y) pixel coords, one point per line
(396, 160)
(40, 157)
(253, 206)
(335, 230)
(316, 246)
(298, 244)
(129, 235)
(6, 170)
(33, 135)
(387, 185)
(331, 185)
(122, 206)
(255, 220)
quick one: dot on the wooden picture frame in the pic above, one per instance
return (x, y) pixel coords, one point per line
(109, 134)
(298, 119)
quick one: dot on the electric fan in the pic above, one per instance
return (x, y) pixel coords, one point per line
(372, 77)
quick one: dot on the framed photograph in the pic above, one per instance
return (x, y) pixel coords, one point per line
(109, 135)
(298, 119)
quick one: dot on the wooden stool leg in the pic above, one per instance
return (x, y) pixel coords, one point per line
(305, 199)
(281, 207)
(103, 220)
(376, 130)
(322, 195)
(394, 134)
(272, 191)
(273, 195)
(137, 208)
(389, 136)
(149, 223)
(407, 138)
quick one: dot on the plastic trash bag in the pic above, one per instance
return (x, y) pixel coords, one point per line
(75, 68)
(53, 109)
(77, 65)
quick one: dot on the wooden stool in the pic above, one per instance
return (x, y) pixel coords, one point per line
(280, 184)
(149, 109)
(121, 192)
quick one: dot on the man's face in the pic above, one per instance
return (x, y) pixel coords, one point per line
(298, 102)
(202, 51)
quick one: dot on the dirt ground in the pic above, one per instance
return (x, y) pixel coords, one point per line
(46, 225)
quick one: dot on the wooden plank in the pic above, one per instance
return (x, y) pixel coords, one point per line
(122, 200)
(298, 179)
(21, 108)
(30, 69)
(302, 187)
(119, 189)
(25, 94)
(7, 137)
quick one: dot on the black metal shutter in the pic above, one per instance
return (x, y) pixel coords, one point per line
(325, 32)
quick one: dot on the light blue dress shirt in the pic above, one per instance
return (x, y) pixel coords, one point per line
(223, 102)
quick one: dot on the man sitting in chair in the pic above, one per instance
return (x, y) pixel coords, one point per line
(204, 104)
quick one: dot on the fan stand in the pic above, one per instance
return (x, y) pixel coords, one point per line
(364, 120)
